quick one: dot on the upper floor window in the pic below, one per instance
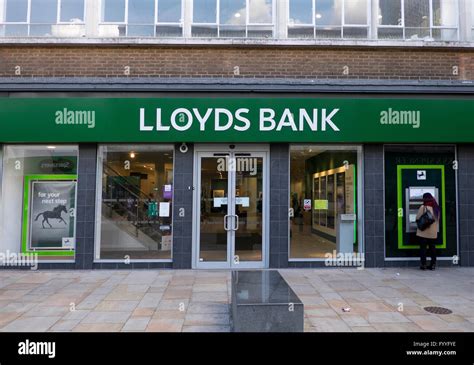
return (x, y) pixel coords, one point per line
(418, 19)
(141, 18)
(59, 18)
(233, 18)
(472, 22)
(328, 19)
(427, 20)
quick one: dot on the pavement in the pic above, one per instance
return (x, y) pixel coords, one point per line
(379, 300)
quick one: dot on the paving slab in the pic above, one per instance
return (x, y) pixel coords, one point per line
(198, 301)
(30, 324)
(206, 328)
(165, 325)
(136, 324)
(98, 327)
(106, 317)
(206, 319)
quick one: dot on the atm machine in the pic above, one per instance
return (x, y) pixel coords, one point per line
(413, 200)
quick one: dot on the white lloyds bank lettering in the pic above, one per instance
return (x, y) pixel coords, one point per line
(76, 117)
(403, 117)
(222, 119)
(268, 120)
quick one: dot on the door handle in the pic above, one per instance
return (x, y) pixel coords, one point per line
(226, 226)
(236, 227)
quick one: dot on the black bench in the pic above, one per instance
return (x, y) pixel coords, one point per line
(262, 301)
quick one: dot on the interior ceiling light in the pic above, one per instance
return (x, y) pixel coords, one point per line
(51, 147)
(132, 154)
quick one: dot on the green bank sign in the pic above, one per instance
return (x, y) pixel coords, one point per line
(235, 120)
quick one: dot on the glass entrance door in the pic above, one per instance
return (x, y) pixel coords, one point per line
(230, 201)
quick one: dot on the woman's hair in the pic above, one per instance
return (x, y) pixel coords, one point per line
(430, 201)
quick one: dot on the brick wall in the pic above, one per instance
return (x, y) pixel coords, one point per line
(270, 62)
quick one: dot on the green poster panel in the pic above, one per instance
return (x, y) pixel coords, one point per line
(48, 225)
(428, 175)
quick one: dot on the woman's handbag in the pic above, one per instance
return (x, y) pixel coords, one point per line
(425, 220)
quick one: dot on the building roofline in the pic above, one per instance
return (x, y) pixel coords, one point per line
(238, 84)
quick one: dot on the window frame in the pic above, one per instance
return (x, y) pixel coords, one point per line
(59, 14)
(155, 24)
(432, 27)
(360, 195)
(246, 26)
(304, 25)
(98, 206)
(441, 27)
(366, 26)
(28, 22)
(342, 26)
(213, 25)
(470, 37)
(51, 258)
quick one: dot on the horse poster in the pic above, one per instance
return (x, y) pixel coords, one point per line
(51, 214)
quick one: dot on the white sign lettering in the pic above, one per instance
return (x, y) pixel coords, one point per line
(183, 119)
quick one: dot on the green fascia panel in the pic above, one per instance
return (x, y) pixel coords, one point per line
(224, 119)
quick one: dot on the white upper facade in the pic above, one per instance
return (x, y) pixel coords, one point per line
(415, 22)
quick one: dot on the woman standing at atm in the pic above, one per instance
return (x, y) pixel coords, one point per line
(427, 236)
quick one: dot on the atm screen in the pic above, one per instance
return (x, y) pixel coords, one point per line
(417, 194)
(414, 199)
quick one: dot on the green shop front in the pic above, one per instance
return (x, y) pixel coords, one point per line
(229, 183)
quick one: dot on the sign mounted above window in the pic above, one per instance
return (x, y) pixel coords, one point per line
(235, 120)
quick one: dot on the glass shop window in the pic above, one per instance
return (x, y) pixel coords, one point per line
(39, 216)
(324, 196)
(135, 210)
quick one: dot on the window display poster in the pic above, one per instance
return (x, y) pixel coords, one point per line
(350, 189)
(51, 214)
(315, 197)
(340, 193)
(164, 209)
(323, 196)
(167, 192)
(330, 198)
